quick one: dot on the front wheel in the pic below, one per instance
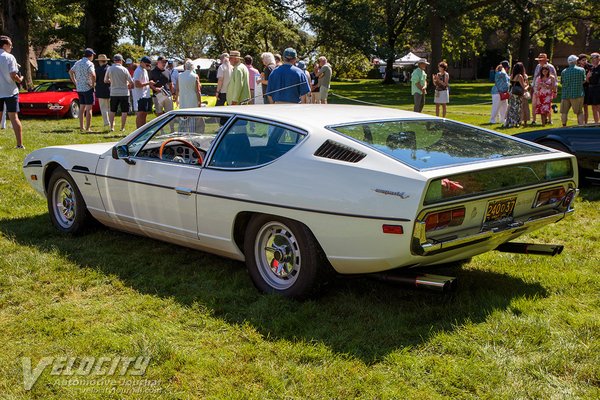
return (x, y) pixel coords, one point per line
(66, 207)
(282, 256)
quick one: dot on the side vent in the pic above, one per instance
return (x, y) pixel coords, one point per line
(338, 151)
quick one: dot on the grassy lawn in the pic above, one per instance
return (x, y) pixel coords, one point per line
(517, 327)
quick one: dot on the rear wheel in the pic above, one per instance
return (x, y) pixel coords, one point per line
(283, 257)
(73, 109)
(66, 207)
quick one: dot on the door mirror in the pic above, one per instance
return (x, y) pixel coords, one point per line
(122, 152)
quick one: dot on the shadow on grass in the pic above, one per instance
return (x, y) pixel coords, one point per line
(359, 317)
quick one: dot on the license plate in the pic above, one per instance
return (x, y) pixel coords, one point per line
(500, 209)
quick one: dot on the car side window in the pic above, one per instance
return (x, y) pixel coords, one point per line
(182, 139)
(250, 143)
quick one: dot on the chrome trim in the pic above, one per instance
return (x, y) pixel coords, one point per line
(423, 247)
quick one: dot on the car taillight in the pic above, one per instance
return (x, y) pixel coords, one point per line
(444, 219)
(550, 196)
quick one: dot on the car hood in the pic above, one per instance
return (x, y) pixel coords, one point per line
(91, 149)
(46, 97)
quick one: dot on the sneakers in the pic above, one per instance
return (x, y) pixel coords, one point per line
(20, 147)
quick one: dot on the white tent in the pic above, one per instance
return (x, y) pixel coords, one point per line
(409, 59)
(204, 63)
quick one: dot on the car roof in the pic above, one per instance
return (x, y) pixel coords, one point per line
(316, 115)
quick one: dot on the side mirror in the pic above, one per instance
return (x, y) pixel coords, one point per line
(122, 152)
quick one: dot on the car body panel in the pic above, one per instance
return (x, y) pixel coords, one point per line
(344, 204)
(52, 103)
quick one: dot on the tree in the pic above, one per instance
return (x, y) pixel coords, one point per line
(100, 25)
(15, 22)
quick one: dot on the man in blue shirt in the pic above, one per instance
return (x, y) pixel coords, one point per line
(288, 83)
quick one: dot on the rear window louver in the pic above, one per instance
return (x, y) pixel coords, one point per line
(338, 151)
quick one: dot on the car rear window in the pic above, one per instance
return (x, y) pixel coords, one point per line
(425, 144)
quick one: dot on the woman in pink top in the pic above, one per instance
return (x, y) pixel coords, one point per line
(545, 86)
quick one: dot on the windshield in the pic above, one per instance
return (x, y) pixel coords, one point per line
(54, 87)
(424, 144)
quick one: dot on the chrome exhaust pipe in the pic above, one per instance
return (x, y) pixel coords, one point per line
(437, 283)
(531, 248)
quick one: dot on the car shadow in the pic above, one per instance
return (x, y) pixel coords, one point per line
(359, 317)
(589, 192)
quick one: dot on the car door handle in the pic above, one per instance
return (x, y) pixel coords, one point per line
(184, 191)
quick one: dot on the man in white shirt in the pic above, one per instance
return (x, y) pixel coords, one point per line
(141, 91)
(120, 82)
(9, 92)
(83, 75)
(223, 77)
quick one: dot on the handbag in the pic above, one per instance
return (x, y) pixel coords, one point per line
(517, 90)
(504, 95)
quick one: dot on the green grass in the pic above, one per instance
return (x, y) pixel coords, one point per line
(518, 326)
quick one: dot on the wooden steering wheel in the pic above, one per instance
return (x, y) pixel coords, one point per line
(186, 143)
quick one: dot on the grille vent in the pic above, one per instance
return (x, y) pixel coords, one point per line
(338, 151)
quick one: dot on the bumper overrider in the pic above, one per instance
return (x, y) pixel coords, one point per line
(423, 246)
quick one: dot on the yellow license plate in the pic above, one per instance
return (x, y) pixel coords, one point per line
(500, 209)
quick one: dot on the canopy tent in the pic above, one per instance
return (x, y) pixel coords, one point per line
(408, 60)
(204, 63)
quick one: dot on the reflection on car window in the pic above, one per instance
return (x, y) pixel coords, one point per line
(182, 138)
(249, 143)
(435, 143)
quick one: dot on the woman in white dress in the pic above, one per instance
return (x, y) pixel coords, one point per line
(188, 87)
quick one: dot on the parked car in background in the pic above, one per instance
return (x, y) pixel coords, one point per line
(52, 99)
(298, 190)
(581, 141)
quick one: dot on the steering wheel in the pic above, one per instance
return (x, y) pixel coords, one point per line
(186, 143)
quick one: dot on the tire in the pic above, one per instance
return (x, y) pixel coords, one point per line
(73, 109)
(66, 206)
(555, 145)
(268, 241)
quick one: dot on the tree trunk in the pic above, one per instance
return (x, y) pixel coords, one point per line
(389, 67)
(525, 40)
(436, 32)
(16, 26)
(100, 25)
(549, 44)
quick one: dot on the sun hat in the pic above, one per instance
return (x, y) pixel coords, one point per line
(102, 57)
(234, 53)
(224, 55)
(422, 61)
(542, 56)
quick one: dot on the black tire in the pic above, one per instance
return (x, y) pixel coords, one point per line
(74, 109)
(66, 206)
(555, 145)
(283, 257)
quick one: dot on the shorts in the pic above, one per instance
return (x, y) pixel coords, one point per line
(144, 104)
(86, 98)
(323, 92)
(576, 103)
(162, 103)
(123, 101)
(12, 104)
(594, 95)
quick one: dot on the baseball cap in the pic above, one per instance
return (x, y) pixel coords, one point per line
(160, 58)
(224, 55)
(118, 57)
(595, 55)
(289, 53)
(170, 61)
(128, 61)
(572, 59)
(89, 52)
(301, 65)
(505, 64)
(146, 60)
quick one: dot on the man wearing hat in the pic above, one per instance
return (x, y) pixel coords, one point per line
(102, 88)
(120, 83)
(572, 79)
(288, 83)
(238, 89)
(419, 84)
(141, 91)
(542, 60)
(161, 86)
(83, 75)
(223, 77)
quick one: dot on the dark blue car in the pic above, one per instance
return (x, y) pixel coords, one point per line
(581, 141)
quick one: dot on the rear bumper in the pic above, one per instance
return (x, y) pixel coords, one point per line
(425, 247)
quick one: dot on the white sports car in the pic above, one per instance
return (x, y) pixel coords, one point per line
(295, 190)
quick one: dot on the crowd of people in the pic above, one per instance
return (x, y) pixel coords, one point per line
(129, 87)
(580, 92)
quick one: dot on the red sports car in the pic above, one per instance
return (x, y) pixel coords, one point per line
(53, 99)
